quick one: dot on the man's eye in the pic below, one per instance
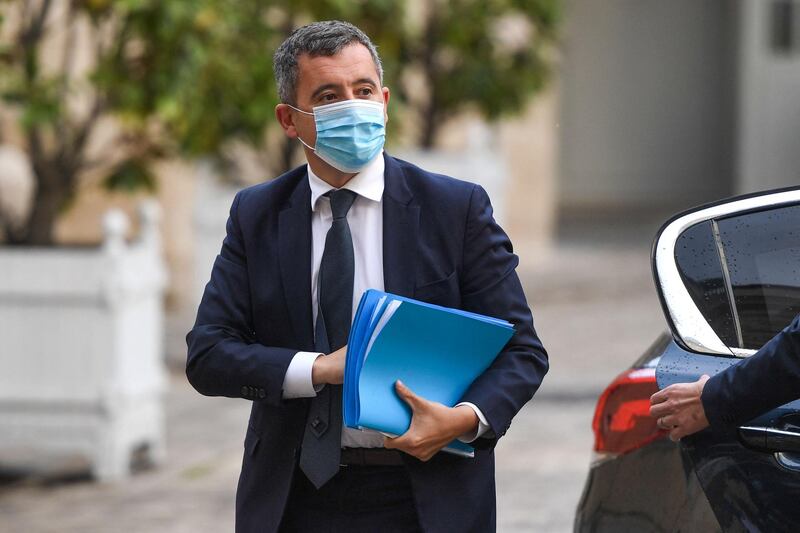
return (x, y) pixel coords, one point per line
(330, 97)
(366, 91)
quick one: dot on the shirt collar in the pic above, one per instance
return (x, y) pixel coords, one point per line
(367, 183)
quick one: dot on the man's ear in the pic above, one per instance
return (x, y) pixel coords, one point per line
(285, 118)
(386, 96)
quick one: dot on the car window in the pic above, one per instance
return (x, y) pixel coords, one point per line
(762, 256)
(698, 260)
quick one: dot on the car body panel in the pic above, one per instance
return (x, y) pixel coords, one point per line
(748, 490)
(651, 489)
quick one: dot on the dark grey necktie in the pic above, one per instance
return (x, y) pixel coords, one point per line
(319, 457)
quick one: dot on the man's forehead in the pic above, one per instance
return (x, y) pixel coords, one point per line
(353, 60)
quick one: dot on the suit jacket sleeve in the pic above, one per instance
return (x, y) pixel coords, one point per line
(490, 285)
(224, 358)
(764, 381)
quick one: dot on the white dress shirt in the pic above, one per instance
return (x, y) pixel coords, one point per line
(365, 219)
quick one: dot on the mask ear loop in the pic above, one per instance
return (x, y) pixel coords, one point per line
(298, 136)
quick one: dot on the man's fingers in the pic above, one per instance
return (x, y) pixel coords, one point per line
(659, 410)
(661, 396)
(401, 442)
(675, 408)
(407, 395)
(405, 444)
(666, 422)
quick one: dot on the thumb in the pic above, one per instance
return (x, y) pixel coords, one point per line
(407, 395)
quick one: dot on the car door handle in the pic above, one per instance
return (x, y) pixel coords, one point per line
(770, 440)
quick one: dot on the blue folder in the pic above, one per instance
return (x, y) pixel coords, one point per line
(436, 351)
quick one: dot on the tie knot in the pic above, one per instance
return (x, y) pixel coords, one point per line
(341, 201)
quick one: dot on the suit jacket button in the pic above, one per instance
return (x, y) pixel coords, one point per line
(244, 391)
(262, 394)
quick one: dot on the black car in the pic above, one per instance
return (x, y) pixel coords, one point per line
(728, 277)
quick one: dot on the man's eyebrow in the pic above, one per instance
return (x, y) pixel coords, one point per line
(323, 88)
(360, 81)
(368, 81)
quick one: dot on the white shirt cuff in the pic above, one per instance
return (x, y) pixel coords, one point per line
(297, 381)
(483, 425)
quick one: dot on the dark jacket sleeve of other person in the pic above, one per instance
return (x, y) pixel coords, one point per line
(764, 381)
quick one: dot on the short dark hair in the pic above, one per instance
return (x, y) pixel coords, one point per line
(324, 38)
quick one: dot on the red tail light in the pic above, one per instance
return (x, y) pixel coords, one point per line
(622, 421)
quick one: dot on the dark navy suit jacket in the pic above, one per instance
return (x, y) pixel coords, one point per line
(441, 245)
(764, 381)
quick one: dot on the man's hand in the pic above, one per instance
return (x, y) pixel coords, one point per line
(329, 369)
(679, 409)
(433, 425)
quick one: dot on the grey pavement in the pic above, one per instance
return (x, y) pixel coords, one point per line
(596, 311)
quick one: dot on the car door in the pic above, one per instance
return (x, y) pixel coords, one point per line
(728, 276)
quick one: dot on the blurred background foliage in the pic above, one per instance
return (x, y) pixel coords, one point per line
(112, 86)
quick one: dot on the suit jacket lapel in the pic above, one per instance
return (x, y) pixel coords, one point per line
(294, 246)
(400, 227)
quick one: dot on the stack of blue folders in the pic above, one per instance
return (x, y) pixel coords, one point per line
(436, 351)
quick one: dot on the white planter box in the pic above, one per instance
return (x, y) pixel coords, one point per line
(81, 334)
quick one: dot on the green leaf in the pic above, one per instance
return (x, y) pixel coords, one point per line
(131, 176)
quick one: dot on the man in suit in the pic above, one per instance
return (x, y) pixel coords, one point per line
(298, 254)
(764, 381)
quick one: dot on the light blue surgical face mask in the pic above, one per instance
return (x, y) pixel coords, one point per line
(349, 133)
